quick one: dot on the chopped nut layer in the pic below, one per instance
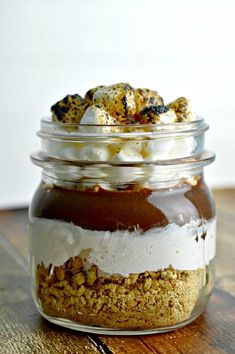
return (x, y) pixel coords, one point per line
(146, 300)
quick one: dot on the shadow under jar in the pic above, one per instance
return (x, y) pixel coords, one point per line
(122, 227)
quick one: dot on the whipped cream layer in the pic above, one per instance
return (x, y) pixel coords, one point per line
(186, 247)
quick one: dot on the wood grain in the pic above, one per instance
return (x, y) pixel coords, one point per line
(13, 225)
(23, 330)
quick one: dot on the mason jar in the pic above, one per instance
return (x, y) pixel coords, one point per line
(122, 227)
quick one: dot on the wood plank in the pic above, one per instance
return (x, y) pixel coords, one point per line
(13, 225)
(126, 344)
(225, 257)
(22, 329)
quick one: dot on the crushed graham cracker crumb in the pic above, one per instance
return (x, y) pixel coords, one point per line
(139, 301)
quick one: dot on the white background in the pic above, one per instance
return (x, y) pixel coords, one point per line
(50, 48)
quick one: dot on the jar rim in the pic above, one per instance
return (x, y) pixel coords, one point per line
(68, 131)
(159, 144)
(197, 161)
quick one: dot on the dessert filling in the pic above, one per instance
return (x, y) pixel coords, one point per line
(123, 253)
(139, 301)
(141, 253)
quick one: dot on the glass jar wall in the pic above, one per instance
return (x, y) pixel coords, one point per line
(122, 227)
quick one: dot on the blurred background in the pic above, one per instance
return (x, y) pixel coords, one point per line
(51, 48)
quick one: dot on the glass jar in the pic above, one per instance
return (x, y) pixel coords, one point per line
(122, 227)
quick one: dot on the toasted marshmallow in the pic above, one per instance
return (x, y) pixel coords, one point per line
(90, 94)
(145, 97)
(118, 100)
(168, 117)
(157, 115)
(183, 109)
(69, 110)
(95, 115)
(98, 116)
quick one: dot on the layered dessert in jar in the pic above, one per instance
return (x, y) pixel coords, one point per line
(122, 226)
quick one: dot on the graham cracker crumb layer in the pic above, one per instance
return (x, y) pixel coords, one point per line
(139, 301)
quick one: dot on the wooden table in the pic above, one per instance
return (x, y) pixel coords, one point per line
(23, 330)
